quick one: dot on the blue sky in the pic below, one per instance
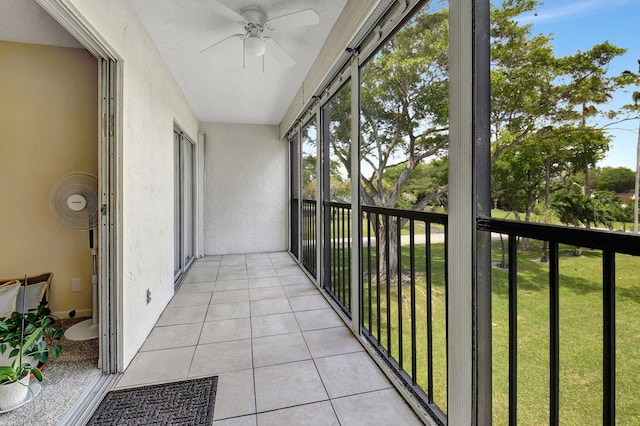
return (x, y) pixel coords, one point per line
(580, 24)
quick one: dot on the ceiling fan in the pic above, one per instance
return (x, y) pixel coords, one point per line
(257, 25)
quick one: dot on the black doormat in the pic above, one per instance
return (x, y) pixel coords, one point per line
(189, 402)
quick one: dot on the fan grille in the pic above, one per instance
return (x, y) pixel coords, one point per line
(67, 207)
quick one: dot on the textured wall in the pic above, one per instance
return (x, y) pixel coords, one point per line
(245, 199)
(151, 103)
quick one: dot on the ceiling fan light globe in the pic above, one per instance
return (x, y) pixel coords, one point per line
(255, 46)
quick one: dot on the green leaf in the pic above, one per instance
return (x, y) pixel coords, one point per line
(56, 350)
(37, 374)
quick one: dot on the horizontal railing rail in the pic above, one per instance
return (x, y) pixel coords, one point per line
(619, 242)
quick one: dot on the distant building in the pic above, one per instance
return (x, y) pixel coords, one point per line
(625, 198)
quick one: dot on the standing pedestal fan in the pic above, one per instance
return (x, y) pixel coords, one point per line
(73, 200)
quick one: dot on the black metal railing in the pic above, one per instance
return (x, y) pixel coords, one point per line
(293, 244)
(337, 253)
(403, 289)
(309, 236)
(609, 244)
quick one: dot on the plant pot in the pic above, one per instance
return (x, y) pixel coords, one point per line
(12, 394)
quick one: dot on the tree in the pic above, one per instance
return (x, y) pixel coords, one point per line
(636, 98)
(608, 208)
(425, 180)
(404, 118)
(588, 85)
(546, 101)
(520, 172)
(619, 180)
(575, 209)
(539, 101)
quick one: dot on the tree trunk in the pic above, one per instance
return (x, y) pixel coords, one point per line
(635, 193)
(587, 184)
(386, 241)
(503, 258)
(527, 218)
(544, 255)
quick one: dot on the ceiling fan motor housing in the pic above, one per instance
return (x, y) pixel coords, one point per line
(255, 16)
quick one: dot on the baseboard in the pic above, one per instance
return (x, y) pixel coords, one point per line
(80, 313)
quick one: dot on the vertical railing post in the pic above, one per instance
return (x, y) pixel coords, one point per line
(429, 279)
(412, 268)
(369, 275)
(378, 277)
(609, 336)
(513, 330)
(398, 244)
(554, 335)
(341, 260)
(387, 283)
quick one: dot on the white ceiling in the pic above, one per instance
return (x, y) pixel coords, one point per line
(215, 83)
(25, 22)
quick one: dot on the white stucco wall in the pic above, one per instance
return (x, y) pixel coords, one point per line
(245, 198)
(151, 102)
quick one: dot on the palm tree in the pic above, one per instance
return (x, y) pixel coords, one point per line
(636, 98)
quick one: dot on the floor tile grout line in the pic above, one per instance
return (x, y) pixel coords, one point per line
(253, 366)
(290, 407)
(299, 332)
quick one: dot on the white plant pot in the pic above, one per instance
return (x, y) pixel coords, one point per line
(13, 394)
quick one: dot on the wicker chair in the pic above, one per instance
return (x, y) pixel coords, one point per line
(37, 290)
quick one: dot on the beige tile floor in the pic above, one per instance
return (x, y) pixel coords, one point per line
(282, 355)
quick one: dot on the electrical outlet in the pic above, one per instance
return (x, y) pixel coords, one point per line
(75, 284)
(148, 296)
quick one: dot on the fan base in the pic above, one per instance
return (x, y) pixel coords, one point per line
(85, 330)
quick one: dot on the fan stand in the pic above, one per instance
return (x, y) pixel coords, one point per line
(88, 329)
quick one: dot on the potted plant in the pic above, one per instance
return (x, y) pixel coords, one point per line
(14, 378)
(26, 341)
(14, 330)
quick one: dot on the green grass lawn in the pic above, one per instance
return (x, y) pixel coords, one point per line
(580, 334)
(503, 214)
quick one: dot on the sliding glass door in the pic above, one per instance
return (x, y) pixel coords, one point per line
(183, 203)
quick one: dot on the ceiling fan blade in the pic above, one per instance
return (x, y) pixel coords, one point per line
(218, 43)
(282, 56)
(302, 18)
(227, 12)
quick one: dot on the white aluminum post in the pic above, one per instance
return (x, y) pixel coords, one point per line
(319, 216)
(356, 218)
(461, 228)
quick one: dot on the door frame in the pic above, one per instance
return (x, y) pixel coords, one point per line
(110, 79)
(185, 210)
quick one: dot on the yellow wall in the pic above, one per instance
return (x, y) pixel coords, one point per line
(48, 128)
